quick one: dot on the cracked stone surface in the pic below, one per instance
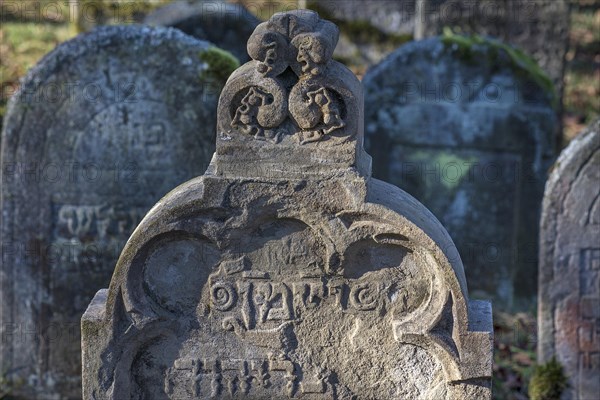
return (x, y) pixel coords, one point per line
(286, 271)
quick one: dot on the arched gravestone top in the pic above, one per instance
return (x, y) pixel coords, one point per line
(226, 25)
(569, 279)
(285, 271)
(101, 128)
(471, 135)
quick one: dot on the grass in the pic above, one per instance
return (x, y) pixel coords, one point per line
(263, 9)
(22, 45)
(582, 77)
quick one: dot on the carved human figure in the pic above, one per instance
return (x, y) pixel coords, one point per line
(248, 114)
(269, 49)
(293, 55)
(318, 115)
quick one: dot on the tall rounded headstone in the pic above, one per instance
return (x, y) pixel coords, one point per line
(226, 25)
(286, 271)
(569, 279)
(471, 135)
(102, 128)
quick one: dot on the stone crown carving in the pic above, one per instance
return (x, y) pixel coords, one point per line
(292, 91)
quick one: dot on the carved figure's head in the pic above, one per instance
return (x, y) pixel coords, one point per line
(313, 52)
(270, 49)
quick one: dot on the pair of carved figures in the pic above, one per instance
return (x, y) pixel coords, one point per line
(292, 86)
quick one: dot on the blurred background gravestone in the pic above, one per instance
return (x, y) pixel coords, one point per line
(569, 282)
(470, 133)
(88, 14)
(369, 29)
(538, 27)
(226, 25)
(103, 127)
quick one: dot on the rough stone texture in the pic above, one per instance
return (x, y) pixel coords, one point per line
(569, 279)
(101, 128)
(469, 135)
(539, 27)
(227, 25)
(286, 271)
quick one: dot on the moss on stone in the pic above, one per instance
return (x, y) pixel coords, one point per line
(548, 381)
(519, 61)
(7, 385)
(220, 65)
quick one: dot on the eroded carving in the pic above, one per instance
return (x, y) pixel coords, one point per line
(291, 58)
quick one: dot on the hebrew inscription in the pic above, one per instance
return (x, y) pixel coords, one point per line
(101, 128)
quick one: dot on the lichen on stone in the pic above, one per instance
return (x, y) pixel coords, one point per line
(220, 65)
(548, 381)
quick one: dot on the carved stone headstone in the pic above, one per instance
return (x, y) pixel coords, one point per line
(226, 25)
(286, 271)
(101, 128)
(471, 136)
(569, 280)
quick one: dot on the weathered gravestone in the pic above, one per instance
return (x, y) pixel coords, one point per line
(226, 25)
(539, 27)
(101, 128)
(285, 271)
(471, 135)
(569, 280)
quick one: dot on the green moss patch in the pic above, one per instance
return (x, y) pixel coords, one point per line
(220, 65)
(548, 381)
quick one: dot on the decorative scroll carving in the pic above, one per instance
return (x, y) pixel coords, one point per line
(291, 55)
